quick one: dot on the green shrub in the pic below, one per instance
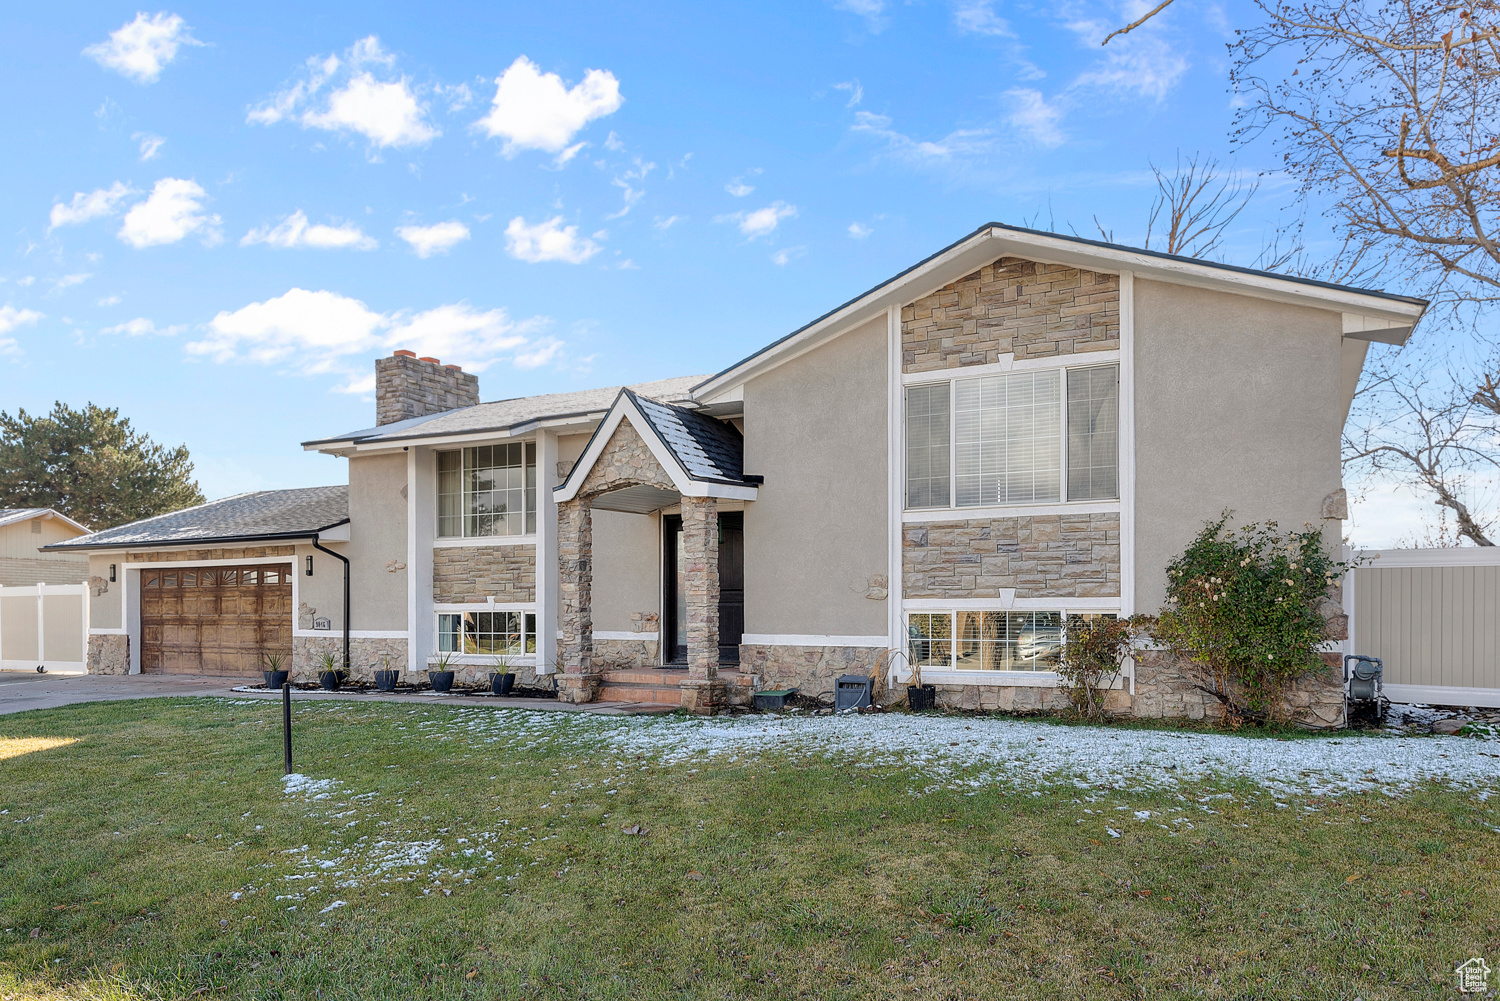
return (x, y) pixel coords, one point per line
(1243, 605)
(1094, 650)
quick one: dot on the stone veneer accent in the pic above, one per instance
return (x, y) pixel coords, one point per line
(109, 654)
(474, 573)
(1011, 307)
(204, 555)
(578, 682)
(614, 655)
(366, 656)
(1040, 556)
(408, 386)
(626, 461)
(811, 669)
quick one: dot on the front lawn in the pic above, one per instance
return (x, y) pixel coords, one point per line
(150, 849)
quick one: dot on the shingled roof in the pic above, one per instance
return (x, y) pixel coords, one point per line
(708, 449)
(262, 516)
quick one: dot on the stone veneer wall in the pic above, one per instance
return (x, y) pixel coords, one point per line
(109, 654)
(1040, 556)
(812, 669)
(474, 573)
(365, 656)
(610, 655)
(204, 555)
(1011, 307)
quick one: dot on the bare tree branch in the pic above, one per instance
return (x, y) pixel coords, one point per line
(1137, 23)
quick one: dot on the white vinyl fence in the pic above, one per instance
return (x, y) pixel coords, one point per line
(44, 625)
(1433, 617)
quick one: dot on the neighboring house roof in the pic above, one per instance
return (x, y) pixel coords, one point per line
(265, 515)
(1391, 320)
(507, 415)
(9, 516)
(703, 457)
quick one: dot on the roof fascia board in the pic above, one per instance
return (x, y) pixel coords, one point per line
(222, 540)
(581, 421)
(46, 513)
(992, 243)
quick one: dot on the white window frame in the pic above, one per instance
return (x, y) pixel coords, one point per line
(484, 659)
(1011, 679)
(952, 377)
(464, 538)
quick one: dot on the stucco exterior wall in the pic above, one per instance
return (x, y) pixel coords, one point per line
(1011, 307)
(320, 596)
(377, 542)
(627, 570)
(106, 607)
(1239, 404)
(815, 539)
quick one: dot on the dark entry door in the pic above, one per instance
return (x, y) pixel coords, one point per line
(731, 589)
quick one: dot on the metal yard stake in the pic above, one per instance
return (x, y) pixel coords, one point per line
(286, 725)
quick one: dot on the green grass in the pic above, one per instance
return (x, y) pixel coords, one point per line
(760, 878)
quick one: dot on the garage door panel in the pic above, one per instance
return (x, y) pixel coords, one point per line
(208, 620)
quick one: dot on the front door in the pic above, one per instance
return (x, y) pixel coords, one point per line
(731, 589)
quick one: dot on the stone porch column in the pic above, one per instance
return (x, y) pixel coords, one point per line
(577, 680)
(703, 692)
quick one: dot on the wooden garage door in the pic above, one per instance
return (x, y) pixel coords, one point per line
(214, 620)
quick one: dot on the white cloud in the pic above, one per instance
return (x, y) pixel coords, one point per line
(68, 281)
(387, 112)
(669, 221)
(11, 318)
(141, 327)
(958, 143)
(110, 300)
(173, 211)
(548, 240)
(434, 239)
(150, 145)
(856, 92)
(627, 182)
(858, 231)
(761, 221)
(1035, 116)
(293, 231)
(739, 188)
(873, 11)
(96, 203)
(141, 48)
(539, 354)
(1143, 63)
(978, 17)
(322, 332)
(787, 254)
(536, 110)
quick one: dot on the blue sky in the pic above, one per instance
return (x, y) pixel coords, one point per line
(219, 215)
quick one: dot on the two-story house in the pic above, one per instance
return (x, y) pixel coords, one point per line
(1021, 427)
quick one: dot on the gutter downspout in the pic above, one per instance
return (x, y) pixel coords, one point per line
(344, 560)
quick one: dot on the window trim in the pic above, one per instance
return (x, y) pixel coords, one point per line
(483, 659)
(1003, 679)
(463, 538)
(951, 376)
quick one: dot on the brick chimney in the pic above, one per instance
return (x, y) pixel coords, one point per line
(408, 386)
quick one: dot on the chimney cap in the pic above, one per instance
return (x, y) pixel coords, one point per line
(433, 360)
(403, 353)
(456, 368)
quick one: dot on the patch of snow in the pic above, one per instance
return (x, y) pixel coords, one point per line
(308, 787)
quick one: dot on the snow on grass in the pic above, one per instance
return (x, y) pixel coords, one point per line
(969, 753)
(309, 788)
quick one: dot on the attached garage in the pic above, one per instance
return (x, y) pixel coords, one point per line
(215, 620)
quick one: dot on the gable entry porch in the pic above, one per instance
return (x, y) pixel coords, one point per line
(646, 457)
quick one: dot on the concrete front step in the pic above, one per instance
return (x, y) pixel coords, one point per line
(662, 686)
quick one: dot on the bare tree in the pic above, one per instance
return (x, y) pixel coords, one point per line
(1428, 430)
(1194, 205)
(1391, 112)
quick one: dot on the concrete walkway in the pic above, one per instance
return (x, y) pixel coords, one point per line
(20, 692)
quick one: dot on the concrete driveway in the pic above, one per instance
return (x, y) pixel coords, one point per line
(21, 691)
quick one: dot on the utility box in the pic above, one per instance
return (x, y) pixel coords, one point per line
(853, 692)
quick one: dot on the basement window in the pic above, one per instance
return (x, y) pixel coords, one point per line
(510, 634)
(989, 640)
(487, 491)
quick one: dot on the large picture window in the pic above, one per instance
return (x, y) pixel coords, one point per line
(1017, 438)
(510, 634)
(487, 491)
